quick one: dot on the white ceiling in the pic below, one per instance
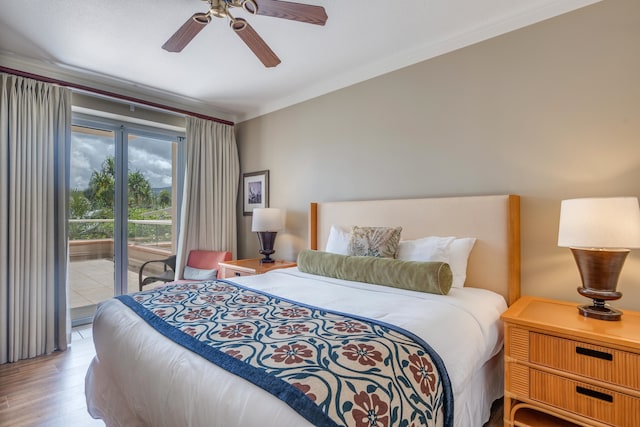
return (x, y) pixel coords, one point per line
(116, 46)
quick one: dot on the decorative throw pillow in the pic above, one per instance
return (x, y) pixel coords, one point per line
(191, 273)
(433, 277)
(431, 248)
(379, 242)
(338, 241)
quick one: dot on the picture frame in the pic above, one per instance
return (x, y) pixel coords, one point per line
(255, 191)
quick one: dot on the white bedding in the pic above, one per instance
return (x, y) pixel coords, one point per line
(140, 378)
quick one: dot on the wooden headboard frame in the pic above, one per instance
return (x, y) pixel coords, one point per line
(494, 221)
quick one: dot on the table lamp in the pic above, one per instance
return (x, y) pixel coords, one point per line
(600, 232)
(266, 222)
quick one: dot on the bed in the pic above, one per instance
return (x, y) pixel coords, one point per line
(141, 377)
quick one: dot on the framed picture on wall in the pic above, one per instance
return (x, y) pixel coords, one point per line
(255, 191)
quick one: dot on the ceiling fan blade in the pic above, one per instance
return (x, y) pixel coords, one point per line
(255, 42)
(181, 38)
(295, 11)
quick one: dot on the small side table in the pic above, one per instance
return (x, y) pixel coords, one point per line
(250, 267)
(564, 369)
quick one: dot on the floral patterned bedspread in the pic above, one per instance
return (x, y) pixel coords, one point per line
(334, 369)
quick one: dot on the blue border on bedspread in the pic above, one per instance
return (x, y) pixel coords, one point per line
(219, 320)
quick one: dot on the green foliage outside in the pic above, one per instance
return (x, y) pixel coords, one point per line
(97, 203)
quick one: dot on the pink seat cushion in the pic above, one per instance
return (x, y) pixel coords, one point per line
(207, 260)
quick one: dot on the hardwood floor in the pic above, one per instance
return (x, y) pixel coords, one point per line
(496, 419)
(48, 390)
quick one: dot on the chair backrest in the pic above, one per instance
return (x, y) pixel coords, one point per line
(207, 260)
(171, 262)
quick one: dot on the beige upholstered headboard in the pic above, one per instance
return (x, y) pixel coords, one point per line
(494, 221)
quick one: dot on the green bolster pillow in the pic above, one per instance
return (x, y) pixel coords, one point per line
(432, 277)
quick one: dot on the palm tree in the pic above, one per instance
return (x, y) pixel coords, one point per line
(102, 186)
(164, 198)
(79, 205)
(139, 190)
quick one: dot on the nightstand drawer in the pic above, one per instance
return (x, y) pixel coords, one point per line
(592, 361)
(251, 267)
(229, 273)
(597, 403)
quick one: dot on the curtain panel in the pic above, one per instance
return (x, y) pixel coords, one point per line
(35, 126)
(212, 176)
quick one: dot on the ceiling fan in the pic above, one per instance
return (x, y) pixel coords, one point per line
(221, 9)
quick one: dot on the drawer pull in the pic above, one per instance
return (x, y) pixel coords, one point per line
(594, 353)
(594, 394)
(237, 274)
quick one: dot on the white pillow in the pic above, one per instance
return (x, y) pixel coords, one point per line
(458, 256)
(431, 248)
(191, 273)
(338, 241)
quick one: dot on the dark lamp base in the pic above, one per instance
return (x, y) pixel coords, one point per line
(600, 312)
(267, 239)
(599, 271)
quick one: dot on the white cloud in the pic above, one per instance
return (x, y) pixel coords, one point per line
(149, 156)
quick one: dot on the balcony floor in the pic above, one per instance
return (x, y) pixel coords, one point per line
(91, 281)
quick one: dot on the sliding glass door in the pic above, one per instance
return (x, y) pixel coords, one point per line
(123, 207)
(91, 219)
(151, 203)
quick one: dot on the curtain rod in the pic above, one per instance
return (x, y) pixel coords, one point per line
(110, 94)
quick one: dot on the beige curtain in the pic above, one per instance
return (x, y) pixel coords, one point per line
(210, 191)
(35, 125)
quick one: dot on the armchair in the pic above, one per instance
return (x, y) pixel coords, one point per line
(198, 260)
(167, 275)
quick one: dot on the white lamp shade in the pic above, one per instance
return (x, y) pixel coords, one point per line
(600, 223)
(267, 219)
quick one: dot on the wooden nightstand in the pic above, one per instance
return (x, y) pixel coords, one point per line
(249, 267)
(564, 369)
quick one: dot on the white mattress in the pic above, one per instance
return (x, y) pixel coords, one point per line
(141, 378)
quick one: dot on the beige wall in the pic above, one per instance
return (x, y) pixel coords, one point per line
(548, 112)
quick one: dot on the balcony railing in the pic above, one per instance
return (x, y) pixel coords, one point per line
(93, 239)
(142, 231)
